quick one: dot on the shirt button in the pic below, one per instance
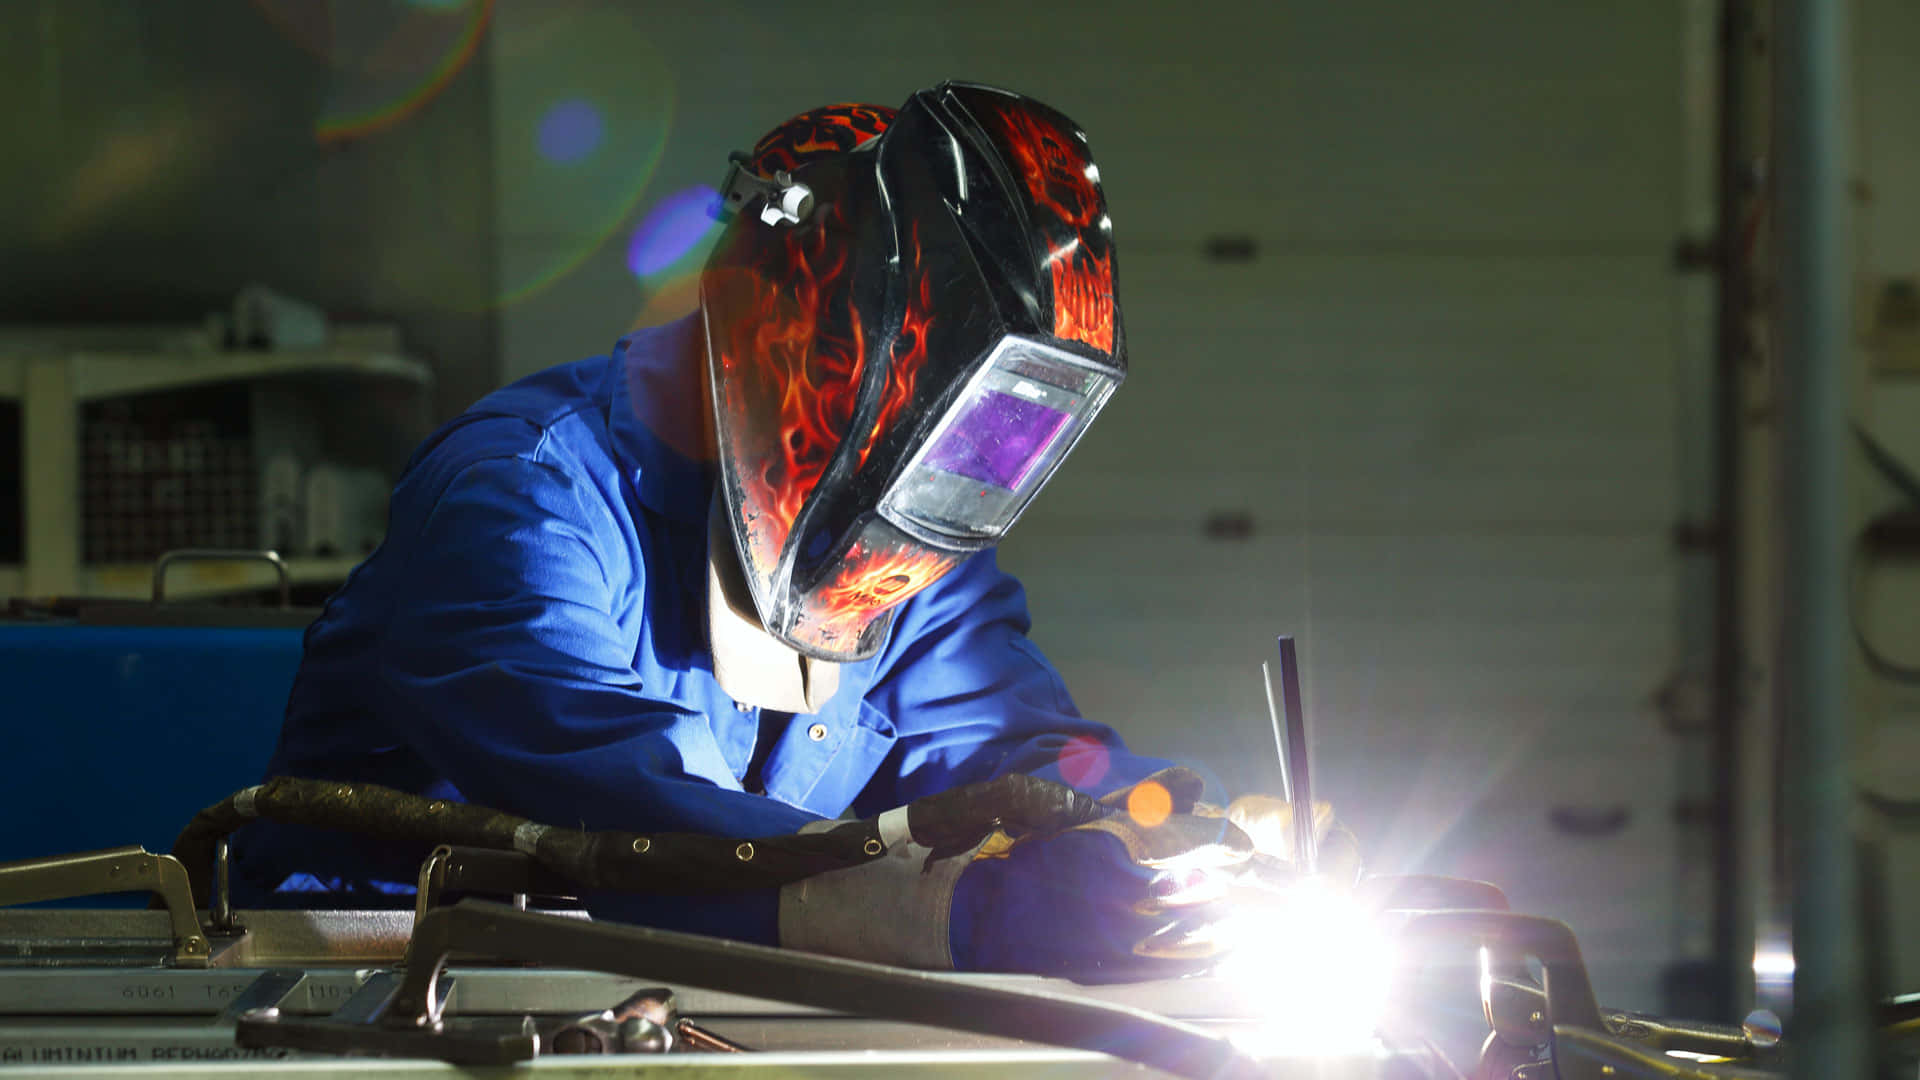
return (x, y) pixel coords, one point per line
(817, 732)
(741, 706)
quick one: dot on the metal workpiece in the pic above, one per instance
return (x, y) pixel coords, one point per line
(414, 1023)
(99, 873)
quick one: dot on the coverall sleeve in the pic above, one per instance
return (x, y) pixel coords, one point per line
(509, 672)
(972, 698)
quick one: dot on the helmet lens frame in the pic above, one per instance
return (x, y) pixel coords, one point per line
(999, 443)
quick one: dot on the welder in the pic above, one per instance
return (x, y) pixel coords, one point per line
(738, 578)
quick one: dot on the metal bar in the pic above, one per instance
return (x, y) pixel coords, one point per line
(1279, 733)
(1830, 998)
(865, 989)
(1299, 764)
(1580, 1053)
(1730, 885)
(371, 1001)
(220, 907)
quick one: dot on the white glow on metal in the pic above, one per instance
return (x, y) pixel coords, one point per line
(959, 169)
(1316, 967)
(1093, 172)
(1773, 962)
(1064, 251)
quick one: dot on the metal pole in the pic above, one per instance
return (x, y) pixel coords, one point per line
(1735, 194)
(1830, 1029)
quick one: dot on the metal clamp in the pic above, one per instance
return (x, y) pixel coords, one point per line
(1561, 1013)
(178, 555)
(113, 870)
(647, 1022)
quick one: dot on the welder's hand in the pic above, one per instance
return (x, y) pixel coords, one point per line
(1077, 904)
(1269, 822)
(1136, 894)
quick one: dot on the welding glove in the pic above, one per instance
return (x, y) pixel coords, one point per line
(1268, 821)
(1136, 894)
(1131, 891)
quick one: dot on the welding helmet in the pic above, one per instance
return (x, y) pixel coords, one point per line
(910, 320)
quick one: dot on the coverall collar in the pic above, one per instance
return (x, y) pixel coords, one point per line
(659, 429)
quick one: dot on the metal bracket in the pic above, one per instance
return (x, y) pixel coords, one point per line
(414, 1024)
(454, 869)
(113, 870)
(787, 201)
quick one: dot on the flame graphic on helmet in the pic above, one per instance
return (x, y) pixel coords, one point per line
(786, 350)
(1060, 178)
(909, 354)
(1083, 297)
(869, 581)
(830, 129)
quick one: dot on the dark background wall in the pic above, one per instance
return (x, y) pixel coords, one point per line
(161, 156)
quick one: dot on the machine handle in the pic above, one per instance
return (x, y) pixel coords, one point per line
(270, 557)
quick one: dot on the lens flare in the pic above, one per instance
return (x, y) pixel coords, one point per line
(388, 60)
(672, 229)
(1084, 761)
(570, 131)
(1149, 804)
(584, 101)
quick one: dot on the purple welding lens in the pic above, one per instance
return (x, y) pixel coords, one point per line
(999, 439)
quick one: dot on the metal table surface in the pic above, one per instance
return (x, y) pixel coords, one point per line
(87, 992)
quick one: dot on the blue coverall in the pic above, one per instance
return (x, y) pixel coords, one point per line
(531, 637)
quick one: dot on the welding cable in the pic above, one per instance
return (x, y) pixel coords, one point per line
(664, 862)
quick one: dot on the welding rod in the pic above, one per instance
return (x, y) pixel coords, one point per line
(1295, 769)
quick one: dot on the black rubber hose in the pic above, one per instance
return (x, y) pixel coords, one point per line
(666, 862)
(958, 818)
